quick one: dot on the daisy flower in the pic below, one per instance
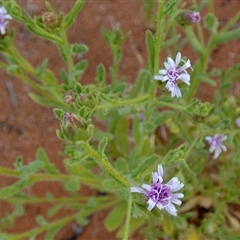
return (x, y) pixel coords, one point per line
(216, 145)
(161, 195)
(3, 23)
(173, 74)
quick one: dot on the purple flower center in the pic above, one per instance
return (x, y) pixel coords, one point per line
(159, 193)
(216, 140)
(173, 75)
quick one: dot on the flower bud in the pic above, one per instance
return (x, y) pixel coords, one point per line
(50, 19)
(68, 97)
(73, 127)
(188, 18)
(87, 100)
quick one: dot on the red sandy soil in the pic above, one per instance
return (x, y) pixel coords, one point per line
(27, 126)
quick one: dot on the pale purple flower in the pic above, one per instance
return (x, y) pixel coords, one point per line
(161, 195)
(216, 145)
(3, 23)
(237, 122)
(173, 74)
(193, 17)
(188, 17)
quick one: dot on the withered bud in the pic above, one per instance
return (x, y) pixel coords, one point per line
(69, 98)
(72, 120)
(74, 127)
(50, 19)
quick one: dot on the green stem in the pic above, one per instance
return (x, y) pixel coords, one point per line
(64, 200)
(192, 146)
(171, 105)
(159, 40)
(128, 218)
(46, 227)
(159, 35)
(105, 165)
(202, 63)
(62, 221)
(48, 177)
(66, 47)
(120, 103)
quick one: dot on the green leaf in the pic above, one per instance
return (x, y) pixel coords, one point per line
(31, 168)
(42, 67)
(81, 220)
(150, 42)
(42, 101)
(121, 134)
(52, 211)
(139, 212)
(175, 154)
(138, 84)
(14, 188)
(78, 49)
(51, 233)
(115, 218)
(149, 127)
(48, 167)
(137, 129)
(72, 184)
(228, 36)
(119, 88)
(102, 145)
(5, 236)
(19, 163)
(80, 170)
(121, 165)
(135, 223)
(43, 34)
(191, 36)
(69, 20)
(145, 166)
(211, 23)
(81, 66)
(64, 76)
(161, 117)
(171, 41)
(14, 69)
(101, 75)
(41, 220)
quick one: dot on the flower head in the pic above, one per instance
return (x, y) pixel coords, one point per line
(188, 17)
(216, 145)
(173, 74)
(237, 122)
(161, 195)
(193, 17)
(3, 23)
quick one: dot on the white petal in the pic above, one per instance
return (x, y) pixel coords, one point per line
(160, 170)
(137, 190)
(147, 187)
(171, 209)
(160, 206)
(208, 138)
(176, 201)
(162, 71)
(171, 63)
(216, 153)
(151, 204)
(223, 138)
(223, 147)
(178, 58)
(185, 66)
(162, 78)
(177, 195)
